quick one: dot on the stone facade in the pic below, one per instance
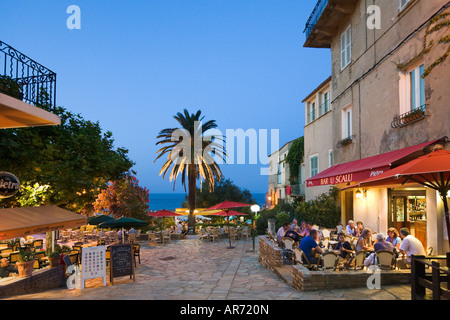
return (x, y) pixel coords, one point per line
(41, 280)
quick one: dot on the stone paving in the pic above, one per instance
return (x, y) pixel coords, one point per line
(203, 270)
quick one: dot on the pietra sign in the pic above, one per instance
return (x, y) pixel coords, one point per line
(9, 185)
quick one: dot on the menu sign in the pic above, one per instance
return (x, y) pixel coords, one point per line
(9, 185)
(93, 264)
(121, 261)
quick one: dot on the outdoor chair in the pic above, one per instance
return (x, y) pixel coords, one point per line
(374, 237)
(288, 249)
(298, 256)
(309, 265)
(77, 247)
(132, 238)
(107, 257)
(136, 253)
(38, 244)
(330, 260)
(386, 259)
(101, 243)
(221, 232)
(234, 234)
(339, 228)
(326, 243)
(152, 239)
(14, 257)
(245, 233)
(74, 258)
(215, 234)
(166, 236)
(78, 243)
(203, 235)
(359, 259)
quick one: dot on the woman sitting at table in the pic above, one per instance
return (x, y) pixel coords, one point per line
(394, 238)
(365, 241)
(343, 247)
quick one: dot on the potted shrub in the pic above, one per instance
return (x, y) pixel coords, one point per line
(25, 263)
(53, 258)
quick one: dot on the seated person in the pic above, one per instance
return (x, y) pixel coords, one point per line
(344, 247)
(6, 270)
(293, 235)
(282, 231)
(394, 238)
(310, 247)
(359, 229)
(410, 245)
(307, 230)
(294, 226)
(365, 241)
(381, 244)
(350, 228)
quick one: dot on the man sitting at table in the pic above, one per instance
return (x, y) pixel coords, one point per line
(282, 231)
(350, 229)
(381, 244)
(6, 270)
(410, 245)
(307, 230)
(310, 247)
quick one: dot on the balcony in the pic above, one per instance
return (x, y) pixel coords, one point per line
(26, 88)
(324, 21)
(409, 117)
(298, 190)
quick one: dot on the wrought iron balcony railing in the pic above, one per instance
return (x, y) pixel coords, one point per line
(25, 79)
(314, 17)
(409, 117)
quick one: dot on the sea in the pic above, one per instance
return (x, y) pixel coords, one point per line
(172, 201)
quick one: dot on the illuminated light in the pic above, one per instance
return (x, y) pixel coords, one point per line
(358, 194)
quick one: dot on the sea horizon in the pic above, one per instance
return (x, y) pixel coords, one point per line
(172, 200)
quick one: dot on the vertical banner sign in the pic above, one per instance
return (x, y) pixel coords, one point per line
(121, 261)
(93, 261)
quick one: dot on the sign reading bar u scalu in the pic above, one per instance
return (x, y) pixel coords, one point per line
(345, 178)
(9, 185)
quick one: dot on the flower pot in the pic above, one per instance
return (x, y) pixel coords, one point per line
(54, 262)
(25, 268)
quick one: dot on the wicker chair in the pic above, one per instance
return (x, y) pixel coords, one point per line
(330, 260)
(359, 259)
(386, 259)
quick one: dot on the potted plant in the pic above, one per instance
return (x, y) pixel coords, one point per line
(53, 259)
(25, 263)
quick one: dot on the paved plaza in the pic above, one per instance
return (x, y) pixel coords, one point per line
(203, 270)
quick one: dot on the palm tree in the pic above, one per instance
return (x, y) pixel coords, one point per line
(191, 153)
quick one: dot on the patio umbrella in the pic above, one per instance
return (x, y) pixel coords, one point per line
(163, 213)
(123, 222)
(226, 207)
(96, 220)
(431, 170)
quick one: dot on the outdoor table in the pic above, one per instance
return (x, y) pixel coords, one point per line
(7, 254)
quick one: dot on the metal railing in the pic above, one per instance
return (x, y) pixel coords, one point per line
(324, 107)
(33, 83)
(298, 190)
(409, 117)
(421, 281)
(314, 17)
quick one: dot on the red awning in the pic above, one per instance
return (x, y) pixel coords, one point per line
(363, 169)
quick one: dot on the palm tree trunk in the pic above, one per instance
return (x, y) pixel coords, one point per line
(191, 198)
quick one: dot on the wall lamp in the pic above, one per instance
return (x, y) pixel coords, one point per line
(361, 194)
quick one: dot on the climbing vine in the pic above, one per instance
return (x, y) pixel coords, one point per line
(438, 23)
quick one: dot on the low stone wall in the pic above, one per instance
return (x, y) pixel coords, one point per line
(306, 280)
(41, 280)
(269, 256)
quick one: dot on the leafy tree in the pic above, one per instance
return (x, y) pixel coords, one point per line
(223, 190)
(295, 159)
(124, 198)
(72, 161)
(322, 211)
(187, 154)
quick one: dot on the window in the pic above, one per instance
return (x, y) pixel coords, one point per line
(330, 157)
(325, 106)
(346, 48)
(279, 173)
(412, 89)
(417, 85)
(347, 123)
(311, 112)
(402, 4)
(314, 161)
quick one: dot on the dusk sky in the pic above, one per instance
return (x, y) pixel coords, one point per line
(134, 64)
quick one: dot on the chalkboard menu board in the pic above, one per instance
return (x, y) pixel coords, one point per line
(121, 261)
